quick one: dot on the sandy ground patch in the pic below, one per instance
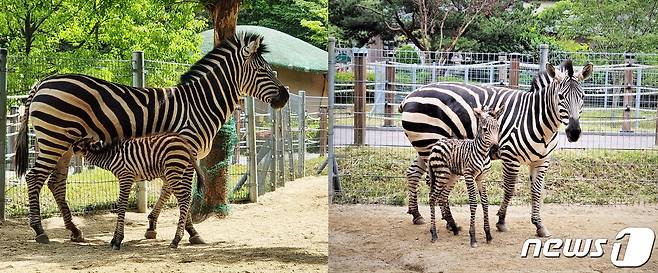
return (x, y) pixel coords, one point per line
(377, 238)
(285, 232)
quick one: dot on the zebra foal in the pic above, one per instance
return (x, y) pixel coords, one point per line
(450, 158)
(167, 156)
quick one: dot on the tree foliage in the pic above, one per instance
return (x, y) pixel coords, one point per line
(304, 19)
(605, 25)
(164, 29)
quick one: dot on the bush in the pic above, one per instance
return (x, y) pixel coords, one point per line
(407, 54)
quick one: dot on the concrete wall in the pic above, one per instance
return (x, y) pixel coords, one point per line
(314, 84)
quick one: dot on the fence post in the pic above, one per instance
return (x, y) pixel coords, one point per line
(502, 70)
(514, 71)
(331, 77)
(3, 128)
(390, 80)
(288, 138)
(638, 98)
(302, 134)
(237, 116)
(414, 77)
(360, 97)
(138, 81)
(605, 89)
(491, 75)
(543, 56)
(628, 99)
(465, 74)
(251, 146)
(275, 149)
(323, 130)
(280, 148)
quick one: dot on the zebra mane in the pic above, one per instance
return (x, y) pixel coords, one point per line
(238, 40)
(568, 65)
(540, 81)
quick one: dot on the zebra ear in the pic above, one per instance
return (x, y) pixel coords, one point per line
(586, 72)
(477, 112)
(252, 47)
(553, 73)
(498, 112)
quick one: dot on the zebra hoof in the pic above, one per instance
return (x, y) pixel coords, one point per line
(173, 246)
(150, 234)
(502, 227)
(196, 240)
(116, 247)
(77, 238)
(543, 232)
(419, 220)
(42, 239)
(474, 245)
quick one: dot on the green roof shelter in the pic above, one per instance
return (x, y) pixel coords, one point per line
(300, 65)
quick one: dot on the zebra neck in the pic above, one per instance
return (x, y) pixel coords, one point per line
(548, 117)
(479, 147)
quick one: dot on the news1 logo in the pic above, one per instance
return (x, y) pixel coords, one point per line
(638, 249)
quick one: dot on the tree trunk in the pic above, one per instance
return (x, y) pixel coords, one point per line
(225, 17)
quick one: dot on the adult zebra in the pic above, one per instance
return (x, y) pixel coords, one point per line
(528, 132)
(67, 108)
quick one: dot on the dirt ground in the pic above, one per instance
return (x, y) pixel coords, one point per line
(376, 238)
(286, 231)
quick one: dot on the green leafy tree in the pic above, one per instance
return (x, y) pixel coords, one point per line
(607, 25)
(304, 19)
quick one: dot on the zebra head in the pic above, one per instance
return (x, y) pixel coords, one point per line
(569, 95)
(488, 127)
(259, 80)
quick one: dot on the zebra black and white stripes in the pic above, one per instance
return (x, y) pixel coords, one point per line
(167, 156)
(67, 108)
(450, 158)
(528, 132)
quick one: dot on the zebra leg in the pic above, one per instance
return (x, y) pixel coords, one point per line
(473, 204)
(165, 193)
(484, 199)
(35, 178)
(195, 239)
(434, 195)
(57, 185)
(414, 174)
(537, 173)
(510, 174)
(125, 184)
(183, 198)
(451, 225)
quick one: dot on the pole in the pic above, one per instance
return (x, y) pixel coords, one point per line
(637, 98)
(138, 81)
(502, 70)
(514, 71)
(251, 145)
(628, 98)
(543, 57)
(390, 80)
(3, 127)
(275, 148)
(359, 97)
(301, 116)
(331, 76)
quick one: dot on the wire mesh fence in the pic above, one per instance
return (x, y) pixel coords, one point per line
(618, 122)
(91, 189)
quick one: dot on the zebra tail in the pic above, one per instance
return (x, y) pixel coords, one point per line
(430, 172)
(22, 153)
(200, 179)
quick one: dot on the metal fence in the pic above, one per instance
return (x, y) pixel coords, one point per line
(619, 112)
(296, 129)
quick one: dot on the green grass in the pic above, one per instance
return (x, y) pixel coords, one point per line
(376, 175)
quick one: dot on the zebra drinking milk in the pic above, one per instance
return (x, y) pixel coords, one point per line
(167, 156)
(67, 108)
(528, 130)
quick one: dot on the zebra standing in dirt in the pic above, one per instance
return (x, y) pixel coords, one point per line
(67, 108)
(451, 158)
(167, 156)
(528, 132)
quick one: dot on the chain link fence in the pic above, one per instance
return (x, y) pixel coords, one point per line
(613, 162)
(91, 189)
